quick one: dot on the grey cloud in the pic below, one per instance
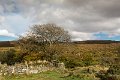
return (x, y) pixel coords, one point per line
(80, 15)
(76, 3)
(86, 16)
(8, 6)
(108, 8)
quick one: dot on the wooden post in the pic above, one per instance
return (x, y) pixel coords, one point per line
(13, 70)
(27, 68)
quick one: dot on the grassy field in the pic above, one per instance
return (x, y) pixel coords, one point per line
(90, 54)
(41, 76)
(6, 48)
(49, 75)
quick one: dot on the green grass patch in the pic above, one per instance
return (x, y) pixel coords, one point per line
(49, 75)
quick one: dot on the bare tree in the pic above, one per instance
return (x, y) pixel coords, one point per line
(43, 38)
(48, 33)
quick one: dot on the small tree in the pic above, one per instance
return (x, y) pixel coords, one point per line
(42, 39)
(49, 33)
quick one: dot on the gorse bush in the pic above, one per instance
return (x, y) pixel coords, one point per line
(113, 73)
(114, 69)
(9, 57)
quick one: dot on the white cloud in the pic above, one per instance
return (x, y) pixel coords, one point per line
(79, 36)
(6, 33)
(2, 19)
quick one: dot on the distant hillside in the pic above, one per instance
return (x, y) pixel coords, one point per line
(12, 43)
(7, 43)
(96, 42)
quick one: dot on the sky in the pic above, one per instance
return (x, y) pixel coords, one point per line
(84, 19)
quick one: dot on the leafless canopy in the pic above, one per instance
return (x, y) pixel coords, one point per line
(48, 33)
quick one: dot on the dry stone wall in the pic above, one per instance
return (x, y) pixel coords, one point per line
(32, 67)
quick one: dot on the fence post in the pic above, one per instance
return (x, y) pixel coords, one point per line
(27, 68)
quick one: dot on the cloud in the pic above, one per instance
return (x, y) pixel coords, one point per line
(8, 6)
(6, 33)
(79, 36)
(81, 17)
(2, 19)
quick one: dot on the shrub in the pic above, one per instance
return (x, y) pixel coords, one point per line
(114, 69)
(112, 74)
(71, 64)
(8, 57)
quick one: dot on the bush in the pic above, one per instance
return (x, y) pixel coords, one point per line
(112, 74)
(114, 69)
(71, 64)
(8, 57)
(108, 76)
